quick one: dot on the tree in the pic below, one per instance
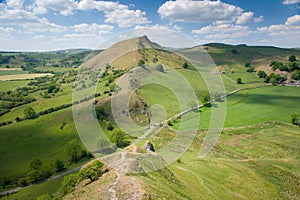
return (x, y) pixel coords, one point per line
(75, 150)
(239, 80)
(35, 163)
(295, 119)
(261, 74)
(296, 75)
(292, 58)
(251, 69)
(248, 64)
(185, 65)
(30, 113)
(100, 112)
(118, 138)
(141, 62)
(58, 165)
(205, 97)
(234, 51)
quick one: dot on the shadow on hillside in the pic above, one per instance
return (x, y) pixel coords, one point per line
(267, 99)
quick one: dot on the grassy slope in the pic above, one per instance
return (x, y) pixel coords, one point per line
(250, 107)
(222, 55)
(11, 85)
(35, 191)
(41, 138)
(260, 162)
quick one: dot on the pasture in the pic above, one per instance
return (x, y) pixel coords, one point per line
(254, 106)
(258, 162)
(22, 76)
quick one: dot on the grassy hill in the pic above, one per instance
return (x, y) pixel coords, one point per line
(253, 159)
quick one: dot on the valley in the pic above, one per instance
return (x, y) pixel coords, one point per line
(256, 156)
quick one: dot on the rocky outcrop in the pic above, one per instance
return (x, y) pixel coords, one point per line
(149, 146)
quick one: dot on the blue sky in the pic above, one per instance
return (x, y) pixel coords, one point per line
(60, 24)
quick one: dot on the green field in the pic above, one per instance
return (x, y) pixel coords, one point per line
(253, 106)
(11, 85)
(35, 191)
(12, 72)
(19, 142)
(260, 162)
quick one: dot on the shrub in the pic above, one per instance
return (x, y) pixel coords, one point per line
(261, 74)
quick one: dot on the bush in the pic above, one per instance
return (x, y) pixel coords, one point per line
(75, 150)
(251, 69)
(141, 62)
(58, 166)
(118, 138)
(185, 65)
(292, 58)
(30, 113)
(261, 74)
(22, 182)
(296, 75)
(35, 163)
(239, 80)
(247, 64)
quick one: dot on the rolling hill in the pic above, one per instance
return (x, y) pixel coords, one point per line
(256, 157)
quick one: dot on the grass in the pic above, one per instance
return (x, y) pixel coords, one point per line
(12, 72)
(21, 76)
(54, 69)
(259, 162)
(44, 137)
(35, 191)
(11, 85)
(253, 106)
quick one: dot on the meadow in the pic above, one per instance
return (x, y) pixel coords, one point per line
(258, 162)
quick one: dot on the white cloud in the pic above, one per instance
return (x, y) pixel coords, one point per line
(126, 18)
(223, 31)
(199, 11)
(287, 34)
(294, 20)
(64, 7)
(114, 11)
(104, 6)
(258, 19)
(93, 28)
(244, 18)
(15, 3)
(291, 1)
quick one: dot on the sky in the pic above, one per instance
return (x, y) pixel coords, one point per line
(42, 25)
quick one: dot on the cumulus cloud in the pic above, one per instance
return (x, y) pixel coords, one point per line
(223, 31)
(93, 28)
(15, 3)
(258, 19)
(294, 20)
(244, 18)
(198, 11)
(104, 6)
(287, 34)
(126, 18)
(114, 11)
(64, 7)
(291, 1)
